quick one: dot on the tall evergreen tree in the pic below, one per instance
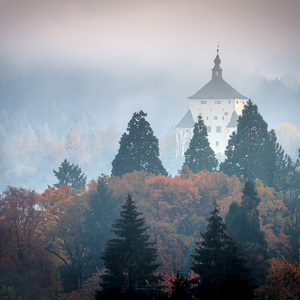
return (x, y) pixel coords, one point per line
(221, 264)
(291, 201)
(70, 174)
(138, 149)
(128, 258)
(199, 155)
(253, 152)
(243, 222)
(98, 218)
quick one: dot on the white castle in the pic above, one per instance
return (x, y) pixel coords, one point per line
(219, 105)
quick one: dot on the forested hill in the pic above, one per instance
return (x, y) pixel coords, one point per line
(47, 116)
(69, 233)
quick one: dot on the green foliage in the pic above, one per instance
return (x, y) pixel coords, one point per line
(243, 222)
(98, 218)
(293, 204)
(199, 155)
(70, 174)
(128, 258)
(138, 149)
(220, 263)
(253, 152)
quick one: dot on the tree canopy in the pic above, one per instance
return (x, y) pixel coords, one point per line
(70, 174)
(253, 152)
(244, 223)
(199, 155)
(128, 258)
(138, 149)
(220, 263)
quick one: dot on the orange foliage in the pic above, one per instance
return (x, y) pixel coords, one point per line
(283, 280)
(74, 295)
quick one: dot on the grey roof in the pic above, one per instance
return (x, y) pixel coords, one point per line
(187, 121)
(233, 120)
(217, 88)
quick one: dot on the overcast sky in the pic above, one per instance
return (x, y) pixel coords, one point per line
(173, 40)
(169, 35)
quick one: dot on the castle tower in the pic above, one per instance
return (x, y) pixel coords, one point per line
(219, 105)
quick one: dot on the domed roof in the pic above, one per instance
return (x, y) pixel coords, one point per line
(217, 60)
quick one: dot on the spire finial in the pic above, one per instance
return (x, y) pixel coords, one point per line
(217, 71)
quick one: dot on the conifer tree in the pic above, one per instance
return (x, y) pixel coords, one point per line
(98, 218)
(138, 149)
(253, 152)
(128, 258)
(243, 222)
(69, 174)
(199, 155)
(221, 264)
(180, 288)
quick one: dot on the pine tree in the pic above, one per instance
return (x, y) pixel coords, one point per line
(138, 149)
(180, 288)
(98, 218)
(243, 221)
(199, 155)
(128, 258)
(221, 264)
(70, 174)
(253, 152)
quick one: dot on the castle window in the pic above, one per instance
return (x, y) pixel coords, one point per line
(222, 118)
(203, 102)
(206, 118)
(208, 128)
(229, 101)
(186, 130)
(217, 143)
(226, 113)
(218, 129)
(217, 102)
(237, 102)
(215, 118)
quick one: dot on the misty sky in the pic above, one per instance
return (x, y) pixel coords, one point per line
(168, 46)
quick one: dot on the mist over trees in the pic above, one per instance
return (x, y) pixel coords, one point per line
(51, 240)
(43, 109)
(253, 152)
(71, 228)
(138, 149)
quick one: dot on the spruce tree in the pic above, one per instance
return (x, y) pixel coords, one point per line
(253, 152)
(221, 264)
(70, 174)
(128, 258)
(199, 155)
(138, 149)
(180, 288)
(98, 218)
(243, 222)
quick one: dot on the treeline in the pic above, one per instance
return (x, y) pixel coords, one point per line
(57, 246)
(51, 242)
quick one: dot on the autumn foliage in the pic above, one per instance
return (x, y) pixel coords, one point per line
(43, 248)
